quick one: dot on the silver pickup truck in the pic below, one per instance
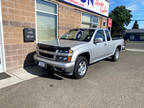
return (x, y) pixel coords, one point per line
(76, 49)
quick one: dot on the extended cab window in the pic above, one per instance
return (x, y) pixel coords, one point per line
(107, 35)
(79, 35)
(100, 34)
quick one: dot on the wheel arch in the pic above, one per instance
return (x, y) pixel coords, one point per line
(119, 47)
(86, 55)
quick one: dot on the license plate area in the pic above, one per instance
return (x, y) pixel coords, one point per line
(42, 64)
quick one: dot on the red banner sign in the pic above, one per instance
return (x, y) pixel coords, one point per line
(109, 23)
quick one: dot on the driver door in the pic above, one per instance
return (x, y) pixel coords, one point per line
(99, 49)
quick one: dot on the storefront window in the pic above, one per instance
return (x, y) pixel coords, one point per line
(46, 6)
(89, 21)
(46, 21)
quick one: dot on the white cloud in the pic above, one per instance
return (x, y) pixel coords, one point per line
(111, 2)
(133, 7)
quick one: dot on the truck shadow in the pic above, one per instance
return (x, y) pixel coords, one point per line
(38, 71)
(109, 59)
(32, 68)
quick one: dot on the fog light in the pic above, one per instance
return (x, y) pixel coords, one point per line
(63, 58)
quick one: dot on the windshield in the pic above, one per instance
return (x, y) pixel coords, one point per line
(79, 35)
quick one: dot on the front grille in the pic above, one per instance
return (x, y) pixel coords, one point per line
(46, 55)
(46, 51)
(49, 51)
(47, 47)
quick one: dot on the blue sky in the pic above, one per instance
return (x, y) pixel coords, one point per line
(136, 6)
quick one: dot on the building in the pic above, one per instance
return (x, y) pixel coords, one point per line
(48, 19)
(134, 34)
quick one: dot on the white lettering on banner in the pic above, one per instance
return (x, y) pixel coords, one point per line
(97, 6)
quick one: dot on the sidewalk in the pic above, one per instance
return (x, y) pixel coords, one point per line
(135, 46)
(20, 75)
(134, 50)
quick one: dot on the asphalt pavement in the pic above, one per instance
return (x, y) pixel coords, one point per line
(107, 85)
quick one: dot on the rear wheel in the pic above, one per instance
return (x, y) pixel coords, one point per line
(81, 67)
(116, 55)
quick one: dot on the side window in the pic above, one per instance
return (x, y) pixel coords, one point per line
(100, 34)
(107, 35)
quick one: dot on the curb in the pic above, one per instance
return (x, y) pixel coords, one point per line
(134, 50)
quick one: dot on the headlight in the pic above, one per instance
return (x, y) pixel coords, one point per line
(63, 58)
(65, 51)
(64, 55)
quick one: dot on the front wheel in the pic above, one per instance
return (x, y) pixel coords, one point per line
(116, 55)
(81, 67)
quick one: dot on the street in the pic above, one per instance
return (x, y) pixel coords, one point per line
(107, 85)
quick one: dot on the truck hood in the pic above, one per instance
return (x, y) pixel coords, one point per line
(63, 43)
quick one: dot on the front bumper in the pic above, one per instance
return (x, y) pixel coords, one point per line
(58, 66)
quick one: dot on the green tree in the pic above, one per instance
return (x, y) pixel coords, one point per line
(121, 17)
(136, 25)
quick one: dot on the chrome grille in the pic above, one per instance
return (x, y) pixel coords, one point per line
(49, 51)
(45, 53)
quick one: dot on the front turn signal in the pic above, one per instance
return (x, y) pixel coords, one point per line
(69, 58)
(70, 51)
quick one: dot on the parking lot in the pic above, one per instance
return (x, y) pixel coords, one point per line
(107, 85)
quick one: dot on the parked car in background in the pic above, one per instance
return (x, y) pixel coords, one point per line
(76, 49)
(134, 34)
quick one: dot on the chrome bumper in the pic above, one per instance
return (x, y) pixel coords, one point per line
(66, 67)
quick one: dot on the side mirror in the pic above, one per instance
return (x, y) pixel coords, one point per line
(98, 40)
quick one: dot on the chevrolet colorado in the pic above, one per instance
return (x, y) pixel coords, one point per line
(76, 49)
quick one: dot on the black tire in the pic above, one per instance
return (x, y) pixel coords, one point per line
(76, 72)
(116, 55)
